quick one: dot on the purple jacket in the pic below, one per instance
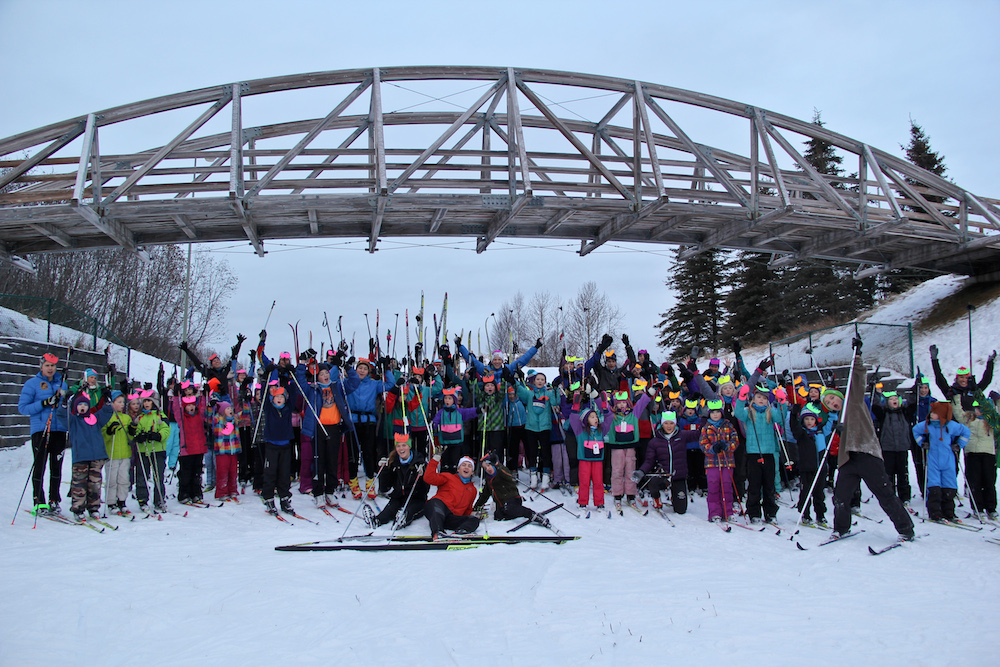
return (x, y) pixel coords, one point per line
(670, 452)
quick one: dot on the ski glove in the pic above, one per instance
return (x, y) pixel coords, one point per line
(624, 339)
(51, 400)
(637, 476)
(993, 356)
(606, 341)
(113, 427)
(718, 447)
(153, 436)
(934, 352)
(737, 348)
(538, 344)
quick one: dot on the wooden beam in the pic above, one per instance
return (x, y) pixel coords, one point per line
(459, 122)
(758, 119)
(514, 120)
(57, 235)
(185, 224)
(664, 227)
(556, 220)
(619, 105)
(984, 210)
(377, 218)
(573, 139)
(531, 163)
(721, 175)
(481, 123)
(620, 152)
(32, 162)
(882, 183)
(928, 207)
(313, 222)
(165, 150)
(249, 225)
(358, 131)
(113, 229)
(306, 140)
(436, 220)
(620, 223)
(654, 159)
(731, 230)
(827, 189)
(929, 252)
(500, 221)
(377, 131)
(236, 143)
(85, 157)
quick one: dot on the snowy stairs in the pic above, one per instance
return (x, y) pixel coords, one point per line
(19, 360)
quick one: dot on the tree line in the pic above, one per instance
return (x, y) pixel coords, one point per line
(725, 295)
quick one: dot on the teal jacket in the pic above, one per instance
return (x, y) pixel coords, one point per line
(759, 427)
(538, 404)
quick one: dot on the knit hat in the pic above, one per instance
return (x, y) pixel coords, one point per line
(221, 406)
(80, 398)
(610, 354)
(715, 405)
(50, 358)
(90, 372)
(713, 362)
(465, 459)
(620, 396)
(664, 367)
(490, 379)
(809, 411)
(943, 410)
(497, 354)
(668, 416)
(962, 370)
(688, 403)
(832, 392)
(364, 361)
(491, 458)
(115, 394)
(401, 438)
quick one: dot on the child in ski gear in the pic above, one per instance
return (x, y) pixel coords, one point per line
(407, 489)
(895, 433)
(622, 440)
(451, 506)
(277, 447)
(539, 401)
(119, 450)
(860, 458)
(449, 429)
(226, 439)
(983, 422)
(718, 441)
(591, 432)
(812, 441)
(939, 434)
(667, 452)
(500, 485)
(150, 431)
(190, 411)
(41, 400)
(757, 419)
(517, 417)
(89, 452)
(324, 423)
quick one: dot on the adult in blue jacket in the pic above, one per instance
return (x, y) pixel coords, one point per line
(362, 406)
(40, 400)
(938, 435)
(496, 365)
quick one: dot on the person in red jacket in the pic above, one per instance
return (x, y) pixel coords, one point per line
(451, 507)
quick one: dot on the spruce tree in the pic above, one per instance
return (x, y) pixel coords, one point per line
(757, 301)
(826, 290)
(697, 318)
(919, 153)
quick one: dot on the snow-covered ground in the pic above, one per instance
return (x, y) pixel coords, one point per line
(210, 589)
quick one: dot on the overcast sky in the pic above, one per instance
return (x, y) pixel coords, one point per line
(869, 67)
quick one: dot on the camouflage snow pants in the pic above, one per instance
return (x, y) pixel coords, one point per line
(85, 489)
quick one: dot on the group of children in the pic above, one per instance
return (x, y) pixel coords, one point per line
(737, 437)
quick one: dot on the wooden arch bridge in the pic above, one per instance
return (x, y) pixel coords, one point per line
(480, 152)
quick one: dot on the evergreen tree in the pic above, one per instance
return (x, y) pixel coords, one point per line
(919, 153)
(824, 289)
(757, 301)
(698, 316)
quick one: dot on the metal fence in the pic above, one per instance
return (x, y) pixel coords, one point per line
(887, 345)
(55, 322)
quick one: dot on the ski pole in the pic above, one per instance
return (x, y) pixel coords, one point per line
(395, 331)
(269, 314)
(364, 500)
(788, 461)
(309, 403)
(971, 308)
(539, 493)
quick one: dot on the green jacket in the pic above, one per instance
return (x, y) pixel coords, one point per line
(117, 442)
(493, 420)
(538, 404)
(151, 422)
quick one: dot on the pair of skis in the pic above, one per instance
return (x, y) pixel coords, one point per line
(425, 543)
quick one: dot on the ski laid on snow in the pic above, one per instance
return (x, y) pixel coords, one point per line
(422, 543)
(832, 539)
(59, 518)
(527, 521)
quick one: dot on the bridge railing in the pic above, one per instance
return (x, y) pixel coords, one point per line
(887, 345)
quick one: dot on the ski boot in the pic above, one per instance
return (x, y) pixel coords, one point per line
(162, 507)
(319, 501)
(269, 506)
(286, 505)
(53, 508)
(541, 520)
(532, 479)
(355, 489)
(329, 500)
(657, 504)
(369, 516)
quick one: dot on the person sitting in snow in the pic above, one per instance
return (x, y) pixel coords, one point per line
(500, 485)
(451, 507)
(406, 487)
